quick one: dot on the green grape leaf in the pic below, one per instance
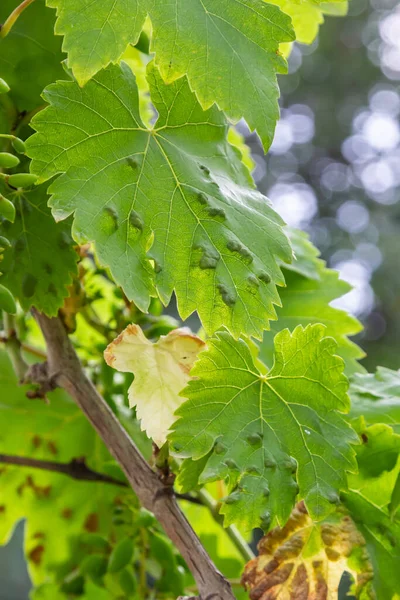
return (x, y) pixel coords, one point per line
(395, 498)
(56, 507)
(189, 474)
(231, 56)
(308, 15)
(379, 450)
(368, 501)
(376, 397)
(30, 55)
(169, 208)
(38, 267)
(306, 261)
(304, 560)
(273, 436)
(307, 300)
(97, 34)
(373, 496)
(375, 415)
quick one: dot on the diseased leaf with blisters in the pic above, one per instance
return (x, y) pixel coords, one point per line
(228, 50)
(170, 208)
(38, 267)
(161, 371)
(56, 507)
(306, 299)
(273, 436)
(304, 560)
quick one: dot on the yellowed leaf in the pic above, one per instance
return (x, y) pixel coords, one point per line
(161, 370)
(306, 561)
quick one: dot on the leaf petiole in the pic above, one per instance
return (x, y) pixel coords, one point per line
(7, 26)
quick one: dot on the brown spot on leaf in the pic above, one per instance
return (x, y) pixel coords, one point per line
(290, 568)
(92, 523)
(36, 554)
(67, 513)
(52, 447)
(2, 508)
(41, 491)
(39, 535)
(36, 441)
(300, 587)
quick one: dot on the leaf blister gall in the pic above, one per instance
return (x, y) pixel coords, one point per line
(228, 297)
(29, 285)
(190, 183)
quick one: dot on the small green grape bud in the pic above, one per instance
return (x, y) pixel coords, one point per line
(4, 243)
(8, 161)
(7, 209)
(127, 582)
(7, 302)
(22, 180)
(94, 566)
(18, 145)
(121, 556)
(4, 87)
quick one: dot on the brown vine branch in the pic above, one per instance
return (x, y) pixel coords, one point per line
(6, 27)
(64, 368)
(77, 469)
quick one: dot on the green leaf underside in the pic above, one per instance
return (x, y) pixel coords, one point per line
(177, 194)
(56, 507)
(372, 498)
(306, 300)
(306, 255)
(229, 49)
(272, 436)
(30, 55)
(308, 15)
(376, 397)
(38, 267)
(368, 501)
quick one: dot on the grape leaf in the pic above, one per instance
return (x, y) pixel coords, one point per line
(97, 34)
(306, 261)
(56, 507)
(171, 206)
(368, 501)
(379, 450)
(376, 397)
(307, 560)
(372, 496)
(264, 428)
(161, 371)
(375, 415)
(39, 265)
(308, 15)
(306, 300)
(231, 55)
(228, 50)
(30, 55)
